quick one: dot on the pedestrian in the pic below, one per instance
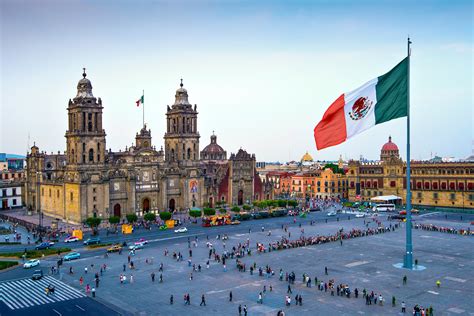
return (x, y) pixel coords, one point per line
(404, 280)
(300, 300)
(326, 270)
(85, 270)
(393, 301)
(260, 298)
(124, 267)
(404, 307)
(131, 278)
(230, 296)
(203, 301)
(191, 276)
(161, 277)
(171, 299)
(153, 277)
(288, 291)
(240, 310)
(245, 310)
(438, 283)
(81, 281)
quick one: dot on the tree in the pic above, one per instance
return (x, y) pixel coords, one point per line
(93, 223)
(334, 168)
(222, 210)
(235, 209)
(151, 217)
(293, 203)
(208, 211)
(247, 207)
(195, 213)
(114, 220)
(131, 218)
(282, 203)
(165, 216)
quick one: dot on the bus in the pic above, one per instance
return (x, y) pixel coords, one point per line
(384, 208)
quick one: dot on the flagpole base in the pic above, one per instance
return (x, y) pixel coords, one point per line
(414, 267)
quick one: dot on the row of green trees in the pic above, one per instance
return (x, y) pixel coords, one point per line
(275, 203)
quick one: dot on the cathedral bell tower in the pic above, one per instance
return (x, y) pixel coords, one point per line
(181, 137)
(85, 136)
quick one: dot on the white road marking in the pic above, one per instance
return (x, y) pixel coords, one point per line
(433, 292)
(456, 310)
(455, 279)
(82, 309)
(356, 263)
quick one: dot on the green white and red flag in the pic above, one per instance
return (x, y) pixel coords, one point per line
(379, 100)
(140, 101)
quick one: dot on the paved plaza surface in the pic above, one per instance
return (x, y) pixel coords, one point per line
(364, 262)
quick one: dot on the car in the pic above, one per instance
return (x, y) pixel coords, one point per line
(91, 241)
(332, 214)
(72, 256)
(43, 245)
(37, 275)
(137, 245)
(235, 222)
(360, 215)
(181, 230)
(71, 239)
(114, 248)
(142, 241)
(31, 263)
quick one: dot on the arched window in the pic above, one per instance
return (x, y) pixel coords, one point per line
(189, 153)
(72, 156)
(172, 154)
(91, 155)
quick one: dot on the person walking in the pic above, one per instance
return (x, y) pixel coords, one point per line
(404, 280)
(171, 299)
(240, 310)
(153, 277)
(326, 270)
(161, 277)
(438, 283)
(131, 278)
(260, 298)
(404, 307)
(288, 291)
(230, 296)
(203, 300)
(81, 281)
(124, 267)
(245, 310)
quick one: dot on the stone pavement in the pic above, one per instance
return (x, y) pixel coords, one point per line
(365, 262)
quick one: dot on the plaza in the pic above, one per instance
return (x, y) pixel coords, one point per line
(362, 263)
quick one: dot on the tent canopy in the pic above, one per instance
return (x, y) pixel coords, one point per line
(386, 198)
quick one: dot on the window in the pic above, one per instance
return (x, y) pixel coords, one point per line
(94, 199)
(419, 195)
(471, 197)
(452, 196)
(4, 192)
(94, 190)
(71, 196)
(95, 121)
(42, 192)
(14, 201)
(91, 155)
(352, 184)
(435, 186)
(89, 122)
(14, 191)
(189, 153)
(57, 193)
(392, 184)
(49, 192)
(435, 195)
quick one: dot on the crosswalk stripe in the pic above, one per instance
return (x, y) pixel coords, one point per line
(10, 289)
(23, 293)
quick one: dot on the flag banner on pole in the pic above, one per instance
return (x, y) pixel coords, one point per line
(140, 101)
(379, 100)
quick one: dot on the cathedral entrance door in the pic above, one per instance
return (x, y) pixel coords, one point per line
(146, 205)
(117, 210)
(211, 202)
(171, 205)
(240, 199)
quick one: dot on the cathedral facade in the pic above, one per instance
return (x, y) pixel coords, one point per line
(89, 181)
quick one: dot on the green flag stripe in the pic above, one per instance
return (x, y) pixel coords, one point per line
(143, 99)
(391, 90)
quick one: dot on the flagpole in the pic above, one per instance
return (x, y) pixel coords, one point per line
(408, 259)
(143, 99)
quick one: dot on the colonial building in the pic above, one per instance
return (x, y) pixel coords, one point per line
(434, 184)
(87, 180)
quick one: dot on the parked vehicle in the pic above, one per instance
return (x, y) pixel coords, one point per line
(43, 245)
(31, 263)
(114, 248)
(181, 230)
(384, 208)
(137, 245)
(332, 213)
(91, 241)
(72, 256)
(71, 239)
(37, 275)
(142, 241)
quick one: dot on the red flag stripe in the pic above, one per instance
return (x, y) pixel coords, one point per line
(331, 130)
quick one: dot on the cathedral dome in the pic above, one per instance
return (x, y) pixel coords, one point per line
(84, 87)
(389, 146)
(181, 96)
(213, 151)
(307, 158)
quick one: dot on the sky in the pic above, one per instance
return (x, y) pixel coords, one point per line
(262, 73)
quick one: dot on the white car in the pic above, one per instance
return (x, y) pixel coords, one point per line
(71, 239)
(137, 245)
(360, 215)
(31, 263)
(332, 214)
(181, 230)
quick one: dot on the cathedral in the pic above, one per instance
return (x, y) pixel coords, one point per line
(87, 180)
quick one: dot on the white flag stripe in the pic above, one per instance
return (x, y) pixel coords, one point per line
(357, 124)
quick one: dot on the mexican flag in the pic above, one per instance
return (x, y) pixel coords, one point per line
(379, 100)
(140, 101)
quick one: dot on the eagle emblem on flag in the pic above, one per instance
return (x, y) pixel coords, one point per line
(360, 108)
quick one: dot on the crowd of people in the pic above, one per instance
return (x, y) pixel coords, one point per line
(442, 229)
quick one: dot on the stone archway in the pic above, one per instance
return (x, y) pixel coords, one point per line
(146, 205)
(172, 205)
(240, 199)
(117, 210)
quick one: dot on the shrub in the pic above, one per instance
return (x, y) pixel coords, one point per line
(164, 216)
(7, 264)
(293, 203)
(93, 222)
(114, 219)
(150, 217)
(99, 245)
(235, 209)
(222, 210)
(30, 254)
(247, 207)
(282, 203)
(208, 211)
(131, 218)
(195, 213)
(245, 217)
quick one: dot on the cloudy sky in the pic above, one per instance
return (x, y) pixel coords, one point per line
(262, 74)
